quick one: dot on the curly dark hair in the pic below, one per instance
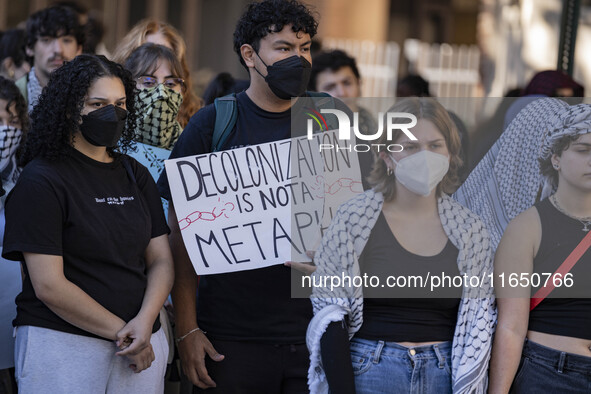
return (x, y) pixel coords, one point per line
(54, 21)
(10, 93)
(56, 117)
(332, 61)
(271, 16)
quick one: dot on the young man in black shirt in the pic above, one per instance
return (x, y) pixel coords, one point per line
(255, 339)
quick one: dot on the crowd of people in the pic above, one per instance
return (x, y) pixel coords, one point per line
(98, 293)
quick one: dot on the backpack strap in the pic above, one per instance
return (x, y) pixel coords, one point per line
(226, 113)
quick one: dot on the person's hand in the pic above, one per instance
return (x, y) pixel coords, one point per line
(307, 268)
(134, 336)
(142, 360)
(192, 351)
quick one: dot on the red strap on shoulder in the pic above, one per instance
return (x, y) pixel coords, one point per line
(564, 269)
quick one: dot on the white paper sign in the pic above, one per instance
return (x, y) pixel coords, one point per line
(257, 206)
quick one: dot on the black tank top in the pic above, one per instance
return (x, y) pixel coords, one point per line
(389, 313)
(565, 311)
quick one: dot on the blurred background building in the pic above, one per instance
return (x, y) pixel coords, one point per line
(464, 48)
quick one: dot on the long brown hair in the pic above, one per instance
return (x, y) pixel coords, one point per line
(137, 36)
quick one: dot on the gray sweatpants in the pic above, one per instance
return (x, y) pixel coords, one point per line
(50, 361)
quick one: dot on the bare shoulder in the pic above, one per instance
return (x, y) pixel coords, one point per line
(523, 233)
(527, 223)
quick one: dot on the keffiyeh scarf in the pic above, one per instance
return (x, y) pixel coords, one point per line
(157, 109)
(344, 241)
(572, 121)
(33, 89)
(507, 180)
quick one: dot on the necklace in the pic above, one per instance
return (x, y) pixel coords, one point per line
(586, 222)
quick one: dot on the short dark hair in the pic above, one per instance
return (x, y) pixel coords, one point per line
(271, 16)
(56, 117)
(222, 85)
(54, 21)
(333, 61)
(12, 45)
(413, 85)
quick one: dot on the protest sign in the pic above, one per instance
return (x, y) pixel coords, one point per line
(257, 206)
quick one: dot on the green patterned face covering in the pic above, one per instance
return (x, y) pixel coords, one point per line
(157, 109)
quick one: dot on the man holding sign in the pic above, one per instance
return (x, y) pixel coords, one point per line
(255, 331)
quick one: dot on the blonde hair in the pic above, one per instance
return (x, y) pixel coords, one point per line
(428, 109)
(137, 36)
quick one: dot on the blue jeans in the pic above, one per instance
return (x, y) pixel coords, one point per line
(545, 370)
(387, 367)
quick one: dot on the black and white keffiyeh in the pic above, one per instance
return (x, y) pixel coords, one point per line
(33, 89)
(572, 121)
(344, 241)
(10, 138)
(507, 180)
(157, 109)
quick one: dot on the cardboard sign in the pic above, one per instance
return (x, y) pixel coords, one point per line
(260, 205)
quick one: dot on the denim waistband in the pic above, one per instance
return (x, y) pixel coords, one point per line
(439, 351)
(556, 358)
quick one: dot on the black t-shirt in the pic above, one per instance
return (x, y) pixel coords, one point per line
(390, 313)
(94, 215)
(254, 305)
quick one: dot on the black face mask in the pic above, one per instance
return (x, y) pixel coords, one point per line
(104, 126)
(289, 77)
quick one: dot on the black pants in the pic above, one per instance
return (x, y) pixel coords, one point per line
(258, 369)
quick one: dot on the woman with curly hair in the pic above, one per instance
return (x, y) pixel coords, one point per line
(376, 339)
(161, 33)
(13, 127)
(14, 123)
(87, 222)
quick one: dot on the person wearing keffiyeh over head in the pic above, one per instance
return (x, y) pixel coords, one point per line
(507, 180)
(552, 337)
(403, 225)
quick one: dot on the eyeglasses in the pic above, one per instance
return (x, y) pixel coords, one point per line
(145, 82)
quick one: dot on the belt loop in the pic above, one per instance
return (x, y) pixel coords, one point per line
(440, 358)
(561, 361)
(378, 352)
